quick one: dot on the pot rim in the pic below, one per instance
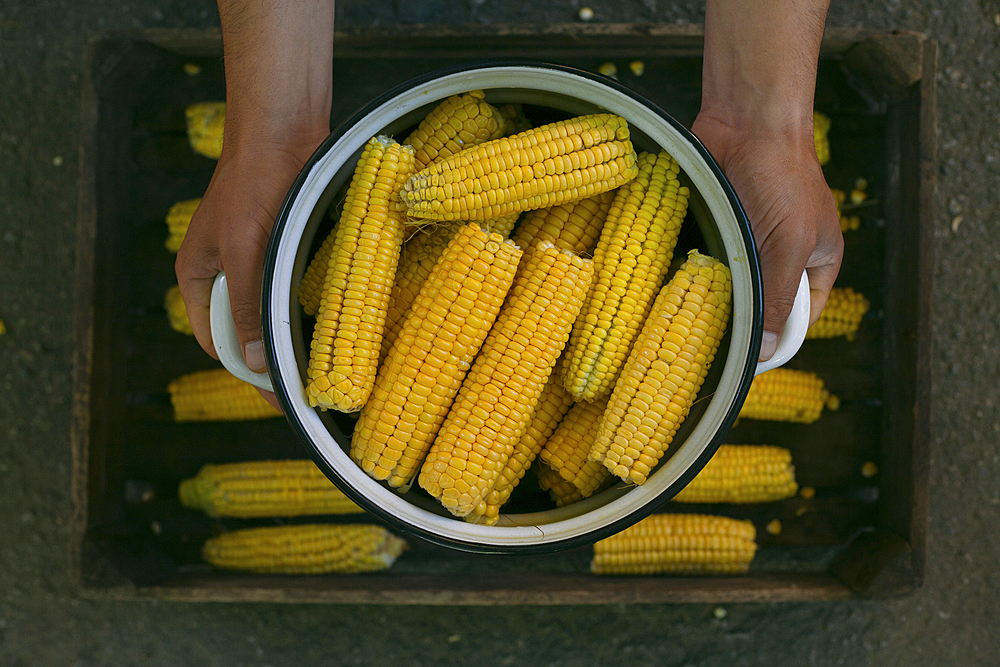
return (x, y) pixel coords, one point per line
(271, 322)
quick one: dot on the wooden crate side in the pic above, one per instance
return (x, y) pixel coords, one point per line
(499, 40)
(500, 589)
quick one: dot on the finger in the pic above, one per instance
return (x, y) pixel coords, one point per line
(270, 398)
(821, 281)
(196, 266)
(782, 265)
(246, 255)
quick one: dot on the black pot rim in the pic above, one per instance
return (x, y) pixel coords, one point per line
(403, 527)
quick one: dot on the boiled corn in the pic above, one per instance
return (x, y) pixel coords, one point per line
(498, 396)
(787, 395)
(743, 474)
(440, 336)
(694, 544)
(841, 316)
(217, 395)
(205, 122)
(544, 166)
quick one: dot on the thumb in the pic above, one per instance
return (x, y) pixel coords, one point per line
(782, 265)
(244, 301)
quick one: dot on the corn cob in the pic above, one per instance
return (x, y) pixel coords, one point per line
(743, 474)
(562, 491)
(349, 327)
(498, 396)
(841, 316)
(217, 395)
(695, 544)
(305, 549)
(666, 369)
(787, 395)
(455, 124)
(632, 257)
(420, 254)
(311, 288)
(567, 450)
(177, 315)
(264, 489)
(544, 166)
(205, 121)
(848, 223)
(821, 126)
(552, 406)
(440, 336)
(178, 219)
(513, 114)
(575, 225)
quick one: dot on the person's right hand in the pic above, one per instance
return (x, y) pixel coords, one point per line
(279, 91)
(229, 232)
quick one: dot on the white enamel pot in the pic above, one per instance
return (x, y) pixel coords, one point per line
(714, 206)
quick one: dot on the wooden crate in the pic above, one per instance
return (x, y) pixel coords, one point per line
(858, 536)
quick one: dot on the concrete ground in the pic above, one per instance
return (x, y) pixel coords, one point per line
(953, 619)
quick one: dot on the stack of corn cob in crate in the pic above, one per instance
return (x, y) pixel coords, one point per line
(393, 336)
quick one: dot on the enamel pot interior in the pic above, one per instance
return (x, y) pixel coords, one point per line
(303, 222)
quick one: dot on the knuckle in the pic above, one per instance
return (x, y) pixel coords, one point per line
(246, 316)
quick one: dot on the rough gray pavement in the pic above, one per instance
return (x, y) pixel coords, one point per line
(953, 619)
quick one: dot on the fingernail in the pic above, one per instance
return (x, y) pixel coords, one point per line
(768, 344)
(254, 355)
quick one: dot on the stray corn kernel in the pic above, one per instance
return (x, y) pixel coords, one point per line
(774, 528)
(832, 403)
(191, 69)
(869, 469)
(800, 511)
(586, 14)
(638, 67)
(3, 328)
(719, 613)
(807, 492)
(858, 196)
(156, 528)
(608, 69)
(861, 183)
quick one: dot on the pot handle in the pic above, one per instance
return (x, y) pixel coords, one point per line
(794, 332)
(227, 344)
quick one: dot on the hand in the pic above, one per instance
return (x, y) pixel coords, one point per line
(779, 181)
(229, 232)
(279, 91)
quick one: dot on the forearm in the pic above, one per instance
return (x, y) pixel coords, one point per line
(760, 63)
(279, 72)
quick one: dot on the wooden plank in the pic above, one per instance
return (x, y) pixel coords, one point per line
(877, 564)
(523, 588)
(499, 40)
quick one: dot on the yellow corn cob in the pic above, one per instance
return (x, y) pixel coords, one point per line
(173, 303)
(678, 544)
(552, 406)
(544, 166)
(205, 121)
(631, 259)
(562, 491)
(567, 450)
(841, 316)
(787, 395)
(264, 489)
(344, 354)
(743, 474)
(420, 253)
(217, 395)
(513, 114)
(178, 219)
(666, 369)
(455, 124)
(501, 390)
(311, 287)
(305, 549)
(821, 126)
(848, 223)
(575, 225)
(440, 336)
